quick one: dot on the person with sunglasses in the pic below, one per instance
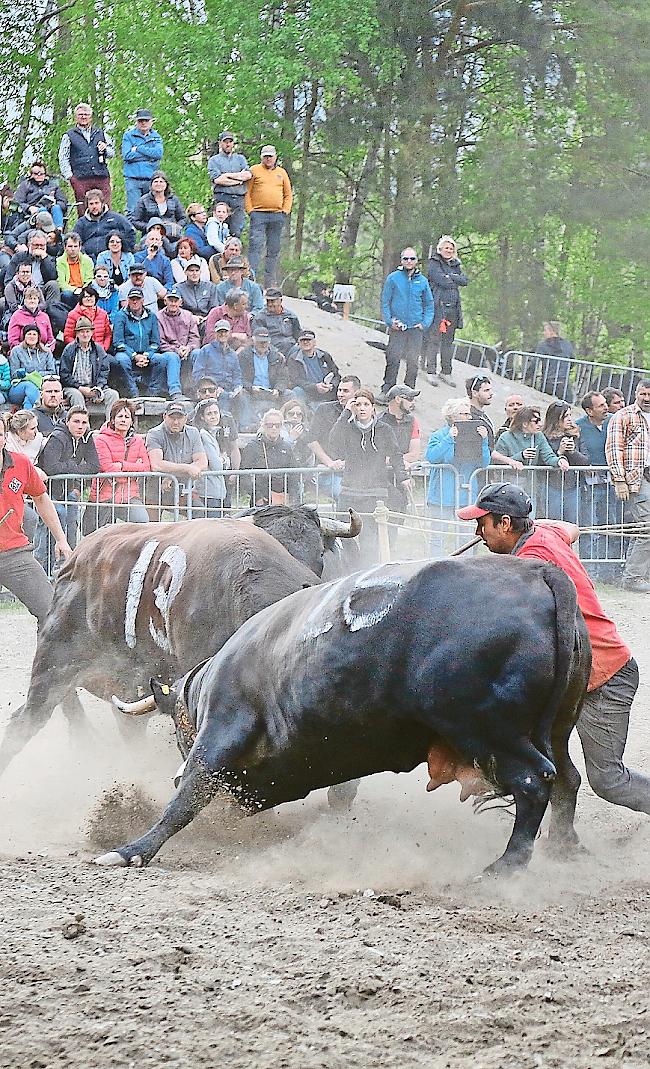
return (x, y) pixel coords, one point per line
(407, 309)
(479, 390)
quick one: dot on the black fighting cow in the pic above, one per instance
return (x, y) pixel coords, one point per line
(370, 673)
(312, 539)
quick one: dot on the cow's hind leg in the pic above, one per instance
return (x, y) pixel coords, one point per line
(529, 781)
(204, 774)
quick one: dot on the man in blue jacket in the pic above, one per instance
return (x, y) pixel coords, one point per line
(217, 361)
(407, 309)
(136, 339)
(142, 150)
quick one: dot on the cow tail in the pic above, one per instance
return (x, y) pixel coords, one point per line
(566, 605)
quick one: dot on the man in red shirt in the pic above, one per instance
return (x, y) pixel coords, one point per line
(19, 572)
(502, 514)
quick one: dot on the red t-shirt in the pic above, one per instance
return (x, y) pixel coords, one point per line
(609, 653)
(19, 477)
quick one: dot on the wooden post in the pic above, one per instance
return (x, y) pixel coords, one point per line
(380, 516)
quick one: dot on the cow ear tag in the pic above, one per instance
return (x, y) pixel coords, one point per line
(164, 688)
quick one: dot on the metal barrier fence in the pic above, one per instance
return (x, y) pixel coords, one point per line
(563, 377)
(420, 523)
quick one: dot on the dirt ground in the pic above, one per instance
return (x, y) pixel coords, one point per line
(304, 939)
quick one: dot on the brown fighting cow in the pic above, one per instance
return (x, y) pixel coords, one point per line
(138, 600)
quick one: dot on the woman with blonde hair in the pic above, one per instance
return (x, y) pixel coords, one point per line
(445, 275)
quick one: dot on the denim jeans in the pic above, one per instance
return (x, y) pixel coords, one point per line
(135, 188)
(161, 376)
(602, 727)
(24, 394)
(636, 510)
(265, 228)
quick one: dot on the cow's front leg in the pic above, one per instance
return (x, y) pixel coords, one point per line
(530, 785)
(198, 786)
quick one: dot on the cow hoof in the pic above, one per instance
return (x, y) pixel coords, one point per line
(111, 860)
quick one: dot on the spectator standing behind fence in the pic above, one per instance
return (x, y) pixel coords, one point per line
(556, 365)
(599, 505)
(480, 393)
(371, 455)
(211, 488)
(176, 449)
(442, 491)
(69, 450)
(525, 444)
(445, 275)
(512, 404)
(229, 172)
(268, 202)
(142, 151)
(324, 419)
(407, 309)
(119, 448)
(628, 456)
(562, 435)
(83, 155)
(268, 450)
(615, 399)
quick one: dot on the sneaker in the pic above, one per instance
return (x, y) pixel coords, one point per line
(448, 381)
(432, 380)
(635, 585)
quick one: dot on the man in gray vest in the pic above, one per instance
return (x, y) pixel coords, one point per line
(83, 157)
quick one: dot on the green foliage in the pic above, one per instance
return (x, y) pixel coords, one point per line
(522, 128)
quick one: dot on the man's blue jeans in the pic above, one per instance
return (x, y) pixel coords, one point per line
(135, 188)
(265, 228)
(161, 376)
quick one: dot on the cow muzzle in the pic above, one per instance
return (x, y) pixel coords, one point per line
(139, 708)
(340, 529)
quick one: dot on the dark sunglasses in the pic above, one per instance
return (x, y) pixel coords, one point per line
(409, 257)
(478, 381)
(535, 419)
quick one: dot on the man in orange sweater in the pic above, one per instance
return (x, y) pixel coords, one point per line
(268, 203)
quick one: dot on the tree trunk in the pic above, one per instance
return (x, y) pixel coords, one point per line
(356, 204)
(304, 170)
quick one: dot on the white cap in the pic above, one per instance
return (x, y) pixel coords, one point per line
(268, 150)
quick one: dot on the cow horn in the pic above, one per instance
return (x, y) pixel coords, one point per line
(144, 705)
(339, 529)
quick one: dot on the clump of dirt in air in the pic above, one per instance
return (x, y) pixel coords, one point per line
(122, 813)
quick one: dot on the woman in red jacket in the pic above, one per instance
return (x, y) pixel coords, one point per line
(119, 448)
(102, 332)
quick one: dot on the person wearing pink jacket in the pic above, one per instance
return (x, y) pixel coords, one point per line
(29, 315)
(119, 448)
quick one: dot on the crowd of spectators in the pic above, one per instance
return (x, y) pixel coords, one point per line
(105, 308)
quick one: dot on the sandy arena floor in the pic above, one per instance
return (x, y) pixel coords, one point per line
(302, 939)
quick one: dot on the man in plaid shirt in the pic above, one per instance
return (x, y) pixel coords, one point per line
(628, 456)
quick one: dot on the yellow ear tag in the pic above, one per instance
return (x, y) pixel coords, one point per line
(164, 688)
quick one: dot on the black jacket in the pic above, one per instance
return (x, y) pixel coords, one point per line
(44, 195)
(277, 368)
(284, 328)
(445, 276)
(261, 453)
(99, 363)
(94, 232)
(147, 209)
(298, 375)
(47, 264)
(365, 453)
(64, 455)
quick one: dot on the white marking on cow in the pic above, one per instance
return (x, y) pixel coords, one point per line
(134, 590)
(386, 588)
(175, 557)
(315, 632)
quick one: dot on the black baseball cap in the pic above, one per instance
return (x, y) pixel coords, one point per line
(503, 499)
(272, 293)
